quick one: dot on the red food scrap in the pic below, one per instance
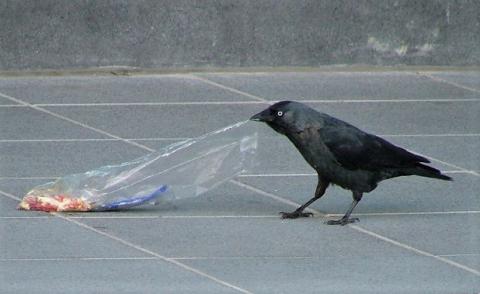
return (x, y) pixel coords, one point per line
(54, 203)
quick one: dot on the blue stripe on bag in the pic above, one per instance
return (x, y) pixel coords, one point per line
(132, 201)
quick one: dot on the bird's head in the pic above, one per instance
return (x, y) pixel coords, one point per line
(285, 116)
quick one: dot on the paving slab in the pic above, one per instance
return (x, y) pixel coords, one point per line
(243, 237)
(54, 159)
(104, 89)
(102, 276)
(401, 273)
(17, 186)
(429, 232)
(340, 85)
(305, 254)
(407, 118)
(5, 101)
(153, 121)
(22, 123)
(465, 78)
(56, 238)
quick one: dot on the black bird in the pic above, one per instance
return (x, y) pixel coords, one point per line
(341, 154)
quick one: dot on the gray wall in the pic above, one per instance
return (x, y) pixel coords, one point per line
(229, 33)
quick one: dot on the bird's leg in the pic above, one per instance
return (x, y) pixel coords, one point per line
(319, 191)
(357, 196)
(299, 211)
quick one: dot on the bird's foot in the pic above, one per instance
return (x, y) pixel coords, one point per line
(295, 214)
(343, 221)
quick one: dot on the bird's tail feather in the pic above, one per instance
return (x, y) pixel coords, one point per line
(429, 172)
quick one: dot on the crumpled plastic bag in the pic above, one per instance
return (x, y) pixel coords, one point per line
(185, 169)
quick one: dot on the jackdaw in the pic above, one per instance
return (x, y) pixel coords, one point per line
(341, 154)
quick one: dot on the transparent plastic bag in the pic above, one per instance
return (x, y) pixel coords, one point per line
(185, 169)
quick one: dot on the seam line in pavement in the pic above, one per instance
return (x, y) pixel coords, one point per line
(185, 138)
(11, 105)
(139, 248)
(432, 135)
(78, 258)
(314, 175)
(361, 230)
(440, 80)
(152, 103)
(28, 178)
(156, 258)
(453, 212)
(87, 140)
(461, 254)
(469, 172)
(409, 213)
(186, 258)
(312, 101)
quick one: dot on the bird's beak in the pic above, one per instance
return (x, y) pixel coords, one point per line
(264, 116)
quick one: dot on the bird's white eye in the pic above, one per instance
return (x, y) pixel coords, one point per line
(280, 113)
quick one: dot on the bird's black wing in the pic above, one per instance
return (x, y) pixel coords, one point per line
(355, 149)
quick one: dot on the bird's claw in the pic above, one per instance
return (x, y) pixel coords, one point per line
(342, 221)
(295, 214)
